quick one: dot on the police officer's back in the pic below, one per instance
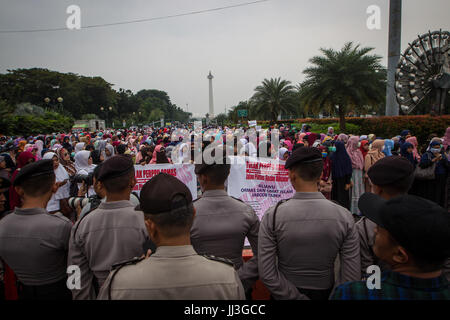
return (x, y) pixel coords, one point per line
(391, 177)
(111, 233)
(222, 223)
(175, 271)
(300, 239)
(33, 242)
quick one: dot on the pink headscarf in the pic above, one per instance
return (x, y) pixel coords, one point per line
(413, 141)
(355, 153)
(289, 145)
(447, 138)
(300, 137)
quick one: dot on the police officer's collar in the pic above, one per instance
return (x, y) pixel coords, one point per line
(116, 205)
(174, 251)
(308, 195)
(30, 211)
(214, 193)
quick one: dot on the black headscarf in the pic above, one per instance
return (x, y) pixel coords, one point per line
(95, 155)
(406, 154)
(341, 164)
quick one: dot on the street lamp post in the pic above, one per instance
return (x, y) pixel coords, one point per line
(58, 102)
(106, 110)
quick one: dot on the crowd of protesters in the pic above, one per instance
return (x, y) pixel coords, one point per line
(81, 161)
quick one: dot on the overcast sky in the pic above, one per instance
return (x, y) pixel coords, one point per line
(241, 46)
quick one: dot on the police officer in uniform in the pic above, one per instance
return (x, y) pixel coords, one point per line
(222, 223)
(33, 242)
(175, 271)
(391, 177)
(111, 233)
(299, 239)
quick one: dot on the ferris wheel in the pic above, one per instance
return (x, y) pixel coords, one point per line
(424, 68)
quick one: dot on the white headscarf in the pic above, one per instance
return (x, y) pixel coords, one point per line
(281, 153)
(250, 149)
(40, 146)
(79, 147)
(82, 161)
(60, 173)
(182, 156)
(111, 150)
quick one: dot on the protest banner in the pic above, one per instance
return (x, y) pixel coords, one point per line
(259, 182)
(184, 172)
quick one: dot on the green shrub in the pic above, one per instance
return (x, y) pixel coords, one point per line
(25, 125)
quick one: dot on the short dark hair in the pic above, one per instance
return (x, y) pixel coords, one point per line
(310, 171)
(175, 222)
(39, 185)
(425, 264)
(218, 173)
(118, 184)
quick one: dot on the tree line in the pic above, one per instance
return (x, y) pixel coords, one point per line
(338, 83)
(78, 96)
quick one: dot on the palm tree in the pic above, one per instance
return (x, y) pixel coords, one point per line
(347, 79)
(273, 97)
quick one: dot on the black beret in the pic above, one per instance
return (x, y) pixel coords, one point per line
(157, 194)
(114, 167)
(200, 168)
(419, 225)
(303, 155)
(38, 168)
(389, 170)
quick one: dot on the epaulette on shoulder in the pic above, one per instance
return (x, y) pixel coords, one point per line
(223, 260)
(237, 199)
(196, 199)
(118, 265)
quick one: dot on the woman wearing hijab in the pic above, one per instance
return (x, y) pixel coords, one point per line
(435, 190)
(357, 158)
(388, 147)
(40, 146)
(109, 151)
(146, 156)
(312, 138)
(325, 179)
(97, 157)
(341, 170)
(330, 132)
(283, 154)
(159, 154)
(79, 147)
(415, 144)
(374, 154)
(58, 201)
(8, 166)
(288, 145)
(22, 160)
(342, 138)
(66, 144)
(446, 141)
(66, 162)
(364, 148)
(139, 155)
(84, 166)
(406, 151)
